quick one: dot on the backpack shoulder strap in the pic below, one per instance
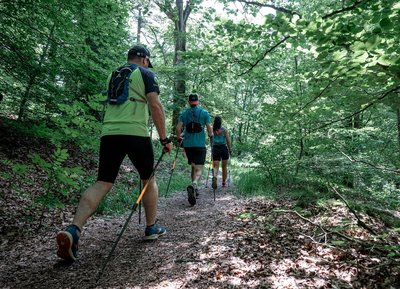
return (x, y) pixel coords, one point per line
(142, 97)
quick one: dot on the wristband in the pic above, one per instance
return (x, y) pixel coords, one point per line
(165, 141)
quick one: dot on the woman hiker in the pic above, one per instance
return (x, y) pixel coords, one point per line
(221, 150)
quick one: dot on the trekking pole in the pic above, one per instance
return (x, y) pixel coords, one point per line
(173, 166)
(229, 169)
(134, 207)
(140, 203)
(212, 166)
(208, 174)
(212, 171)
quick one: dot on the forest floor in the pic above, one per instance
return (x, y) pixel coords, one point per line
(229, 243)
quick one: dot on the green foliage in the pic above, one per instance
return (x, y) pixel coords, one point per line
(180, 177)
(310, 96)
(119, 200)
(253, 182)
(60, 180)
(246, 215)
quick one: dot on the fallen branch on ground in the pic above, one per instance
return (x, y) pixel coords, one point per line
(359, 221)
(358, 241)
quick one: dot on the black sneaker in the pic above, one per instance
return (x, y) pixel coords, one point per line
(67, 242)
(191, 197)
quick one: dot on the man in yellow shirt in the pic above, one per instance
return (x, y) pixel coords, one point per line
(124, 133)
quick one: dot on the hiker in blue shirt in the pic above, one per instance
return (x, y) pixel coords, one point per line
(193, 121)
(221, 150)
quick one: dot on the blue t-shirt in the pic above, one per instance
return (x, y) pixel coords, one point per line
(219, 137)
(196, 114)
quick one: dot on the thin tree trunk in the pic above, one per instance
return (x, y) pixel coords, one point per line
(179, 18)
(139, 24)
(33, 76)
(398, 126)
(180, 75)
(301, 129)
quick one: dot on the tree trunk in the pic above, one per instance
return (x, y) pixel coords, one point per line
(139, 24)
(179, 16)
(300, 124)
(33, 75)
(180, 74)
(398, 126)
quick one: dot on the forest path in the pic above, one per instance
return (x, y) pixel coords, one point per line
(229, 243)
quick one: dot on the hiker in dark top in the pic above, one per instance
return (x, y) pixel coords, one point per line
(124, 132)
(221, 150)
(193, 121)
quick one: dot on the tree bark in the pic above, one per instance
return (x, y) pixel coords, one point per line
(179, 64)
(34, 73)
(398, 126)
(300, 124)
(179, 16)
(139, 24)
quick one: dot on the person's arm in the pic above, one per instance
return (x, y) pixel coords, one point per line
(158, 116)
(178, 131)
(228, 141)
(209, 130)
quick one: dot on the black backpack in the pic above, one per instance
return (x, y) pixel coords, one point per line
(118, 87)
(193, 126)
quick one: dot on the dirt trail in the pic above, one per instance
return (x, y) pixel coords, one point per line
(196, 236)
(207, 246)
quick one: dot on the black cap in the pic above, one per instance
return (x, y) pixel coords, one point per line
(193, 98)
(141, 51)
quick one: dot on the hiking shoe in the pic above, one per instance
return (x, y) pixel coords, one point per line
(154, 231)
(191, 197)
(214, 183)
(67, 242)
(197, 193)
(223, 184)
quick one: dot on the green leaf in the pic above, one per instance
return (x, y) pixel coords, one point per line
(386, 24)
(338, 242)
(360, 56)
(385, 60)
(338, 55)
(372, 42)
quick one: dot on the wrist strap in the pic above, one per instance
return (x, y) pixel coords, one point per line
(165, 141)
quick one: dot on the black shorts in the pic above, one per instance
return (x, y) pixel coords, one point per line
(114, 148)
(196, 155)
(220, 152)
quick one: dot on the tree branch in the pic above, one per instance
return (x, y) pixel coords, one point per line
(167, 9)
(360, 242)
(359, 221)
(31, 27)
(277, 8)
(349, 8)
(319, 226)
(319, 94)
(353, 160)
(395, 89)
(265, 54)
(187, 11)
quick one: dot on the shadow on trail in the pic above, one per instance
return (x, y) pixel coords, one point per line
(206, 246)
(175, 260)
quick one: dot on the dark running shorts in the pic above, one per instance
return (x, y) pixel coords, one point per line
(196, 155)
(114, 148)
(220, 152)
